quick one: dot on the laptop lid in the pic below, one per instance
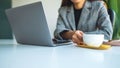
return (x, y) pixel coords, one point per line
(29, 24)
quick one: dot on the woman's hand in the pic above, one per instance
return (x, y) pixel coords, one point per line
(77, 37)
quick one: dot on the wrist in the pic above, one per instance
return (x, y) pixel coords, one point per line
(68, 34)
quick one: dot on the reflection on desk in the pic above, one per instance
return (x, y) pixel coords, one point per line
(70, 56)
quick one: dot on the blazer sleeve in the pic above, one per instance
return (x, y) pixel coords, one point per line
(60, 26)
(104, 25)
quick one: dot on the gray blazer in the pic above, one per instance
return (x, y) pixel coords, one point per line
(94, 19)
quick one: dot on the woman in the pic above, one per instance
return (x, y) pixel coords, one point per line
(77, 17)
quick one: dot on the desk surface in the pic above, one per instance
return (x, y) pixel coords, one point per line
(69, 56)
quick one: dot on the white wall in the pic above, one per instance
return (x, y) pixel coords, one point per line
(50, 7)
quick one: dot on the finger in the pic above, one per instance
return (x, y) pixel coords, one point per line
(75, 39)
(81, 32)
(80, 36)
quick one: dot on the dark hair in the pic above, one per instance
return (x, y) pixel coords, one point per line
(69, 2)
(66, 3)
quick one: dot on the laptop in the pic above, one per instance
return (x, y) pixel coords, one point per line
(29, 25)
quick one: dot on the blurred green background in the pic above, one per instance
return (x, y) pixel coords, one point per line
(5, 30)
(115, 5)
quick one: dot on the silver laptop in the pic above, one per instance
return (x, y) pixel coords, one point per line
(29, 25)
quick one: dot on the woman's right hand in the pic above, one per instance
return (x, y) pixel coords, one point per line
(77, 37)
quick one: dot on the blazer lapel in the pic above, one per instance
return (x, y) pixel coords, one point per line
(70, 17)
(84, 14)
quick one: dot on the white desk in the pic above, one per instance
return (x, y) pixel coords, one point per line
(70, 56)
